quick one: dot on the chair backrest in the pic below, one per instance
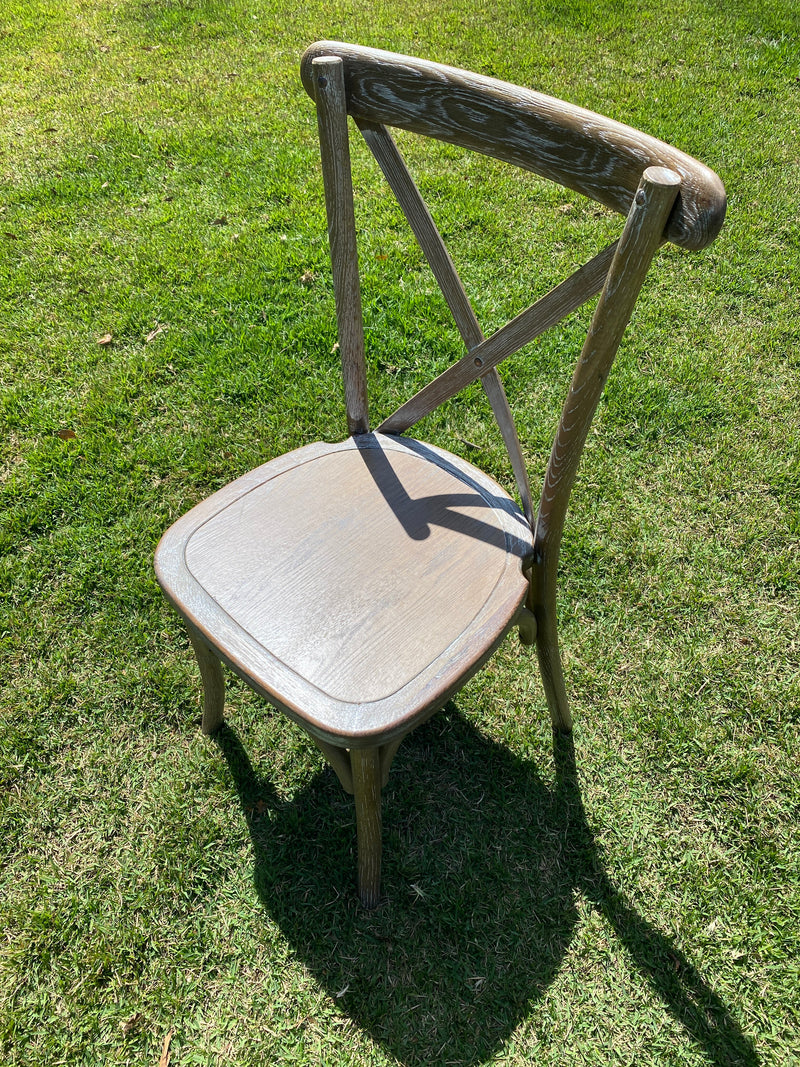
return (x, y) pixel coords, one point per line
(664, 194)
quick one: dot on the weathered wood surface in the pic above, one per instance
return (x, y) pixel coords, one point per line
(561, 301)
(640, 239)
(430, 240)
(339, 759)
(335, 152)
(367, 791)
(356, 585)
(213, 682)
(584, 151)
(493, 387)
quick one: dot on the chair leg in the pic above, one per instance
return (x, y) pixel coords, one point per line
(552, 673)
(213, 682)
(542, 603)
(366, 765)
(387, 753)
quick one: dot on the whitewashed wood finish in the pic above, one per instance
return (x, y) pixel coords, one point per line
(367, 793)
(358, 585)
(554, 306)
(640, 239)
(213, 682)
(424, 228)
(339, 759)
(355, 585)
(430, 240)
(335, 153)
(577, 148)
(493, 387)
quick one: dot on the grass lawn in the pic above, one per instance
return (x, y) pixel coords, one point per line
(166, 323)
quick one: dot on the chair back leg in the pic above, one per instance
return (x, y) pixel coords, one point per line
(542, 603)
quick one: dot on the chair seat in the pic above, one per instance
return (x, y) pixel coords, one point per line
(355, 585)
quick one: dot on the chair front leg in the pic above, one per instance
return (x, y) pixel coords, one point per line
(366, 766)
(213, 682)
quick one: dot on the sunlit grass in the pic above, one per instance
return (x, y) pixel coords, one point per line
(159, 183)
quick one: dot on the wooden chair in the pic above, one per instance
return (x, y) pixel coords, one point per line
(358, 585)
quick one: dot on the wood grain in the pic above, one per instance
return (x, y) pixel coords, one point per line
(356, 585)
(425, 230)
(213, 682)
(493, 387)
(594, 155)
(561, 301)
(328, 78)
(367, 791)
(640, 238)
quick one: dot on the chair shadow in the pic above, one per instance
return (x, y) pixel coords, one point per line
(416, 516)
(482, 861)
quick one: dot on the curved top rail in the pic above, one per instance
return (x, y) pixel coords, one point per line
(584, 151)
